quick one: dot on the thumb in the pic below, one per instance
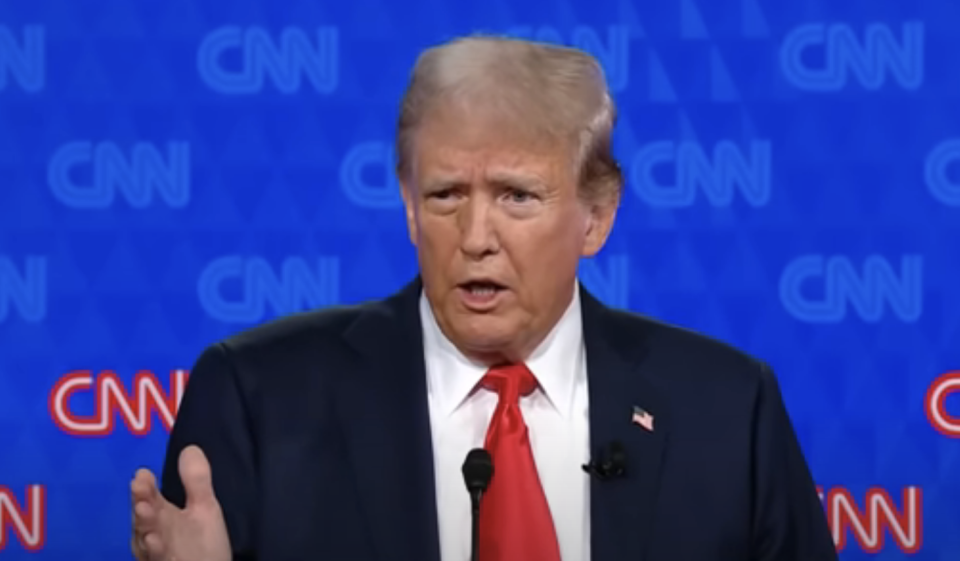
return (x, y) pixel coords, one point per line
(197, 478)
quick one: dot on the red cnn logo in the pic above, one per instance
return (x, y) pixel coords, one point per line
(880, 516)
(112, 398)
(935, 404)
(29, 522)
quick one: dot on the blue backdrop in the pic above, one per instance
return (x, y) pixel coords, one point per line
(173, 171)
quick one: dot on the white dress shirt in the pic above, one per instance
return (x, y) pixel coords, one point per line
(556, 415)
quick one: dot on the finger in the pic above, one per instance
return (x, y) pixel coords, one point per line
(144, 486)
(143, 491)
(140, 550)
(197, 477)
(142, 514)
(145, 517)
(153, 546)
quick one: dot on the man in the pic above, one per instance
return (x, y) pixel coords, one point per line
(340, 434)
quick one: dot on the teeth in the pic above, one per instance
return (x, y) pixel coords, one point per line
(482, 289)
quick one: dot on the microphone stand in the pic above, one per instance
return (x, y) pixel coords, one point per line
(475, 515)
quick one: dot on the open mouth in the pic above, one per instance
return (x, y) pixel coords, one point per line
(482, 288)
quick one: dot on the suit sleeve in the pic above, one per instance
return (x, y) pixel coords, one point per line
(789, 519)
(213, 415)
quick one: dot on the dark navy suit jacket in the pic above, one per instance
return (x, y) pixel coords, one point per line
(317, 430)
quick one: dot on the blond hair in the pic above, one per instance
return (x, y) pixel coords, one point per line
(556, 90)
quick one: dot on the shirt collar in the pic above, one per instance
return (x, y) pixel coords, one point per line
(557, 362)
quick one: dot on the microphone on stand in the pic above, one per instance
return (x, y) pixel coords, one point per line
(477, 472)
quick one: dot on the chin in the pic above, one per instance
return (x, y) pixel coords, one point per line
(490, 338)
(485, 334)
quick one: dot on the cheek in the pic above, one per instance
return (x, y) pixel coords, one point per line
(548, 259)
(433, 227)
(562, 235)
(541, 260)
(438, 246)
(440, 241)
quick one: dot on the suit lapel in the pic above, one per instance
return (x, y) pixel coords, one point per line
(622, 510)
(386, 422)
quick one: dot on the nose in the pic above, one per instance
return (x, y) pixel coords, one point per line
(478, 236)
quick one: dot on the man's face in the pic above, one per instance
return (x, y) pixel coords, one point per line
(499, 230)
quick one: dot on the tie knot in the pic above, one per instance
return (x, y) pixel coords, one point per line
(510, 381)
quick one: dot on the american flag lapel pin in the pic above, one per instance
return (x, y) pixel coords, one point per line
(643, 418)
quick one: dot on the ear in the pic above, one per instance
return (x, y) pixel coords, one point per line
(409, 195)
(600, 219)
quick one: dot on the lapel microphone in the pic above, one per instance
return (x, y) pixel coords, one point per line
(477, 473)
(609, 463)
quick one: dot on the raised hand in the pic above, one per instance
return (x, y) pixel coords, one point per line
(164, 532)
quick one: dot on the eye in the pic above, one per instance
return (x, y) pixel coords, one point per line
(520, 195)
(440, 194)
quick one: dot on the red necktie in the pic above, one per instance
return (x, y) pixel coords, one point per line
(515, 521)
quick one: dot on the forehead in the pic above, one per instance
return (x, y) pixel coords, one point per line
(452, 143)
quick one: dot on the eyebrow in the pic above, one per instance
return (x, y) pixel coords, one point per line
(525, 180)
(501, 177)
(442, 182)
